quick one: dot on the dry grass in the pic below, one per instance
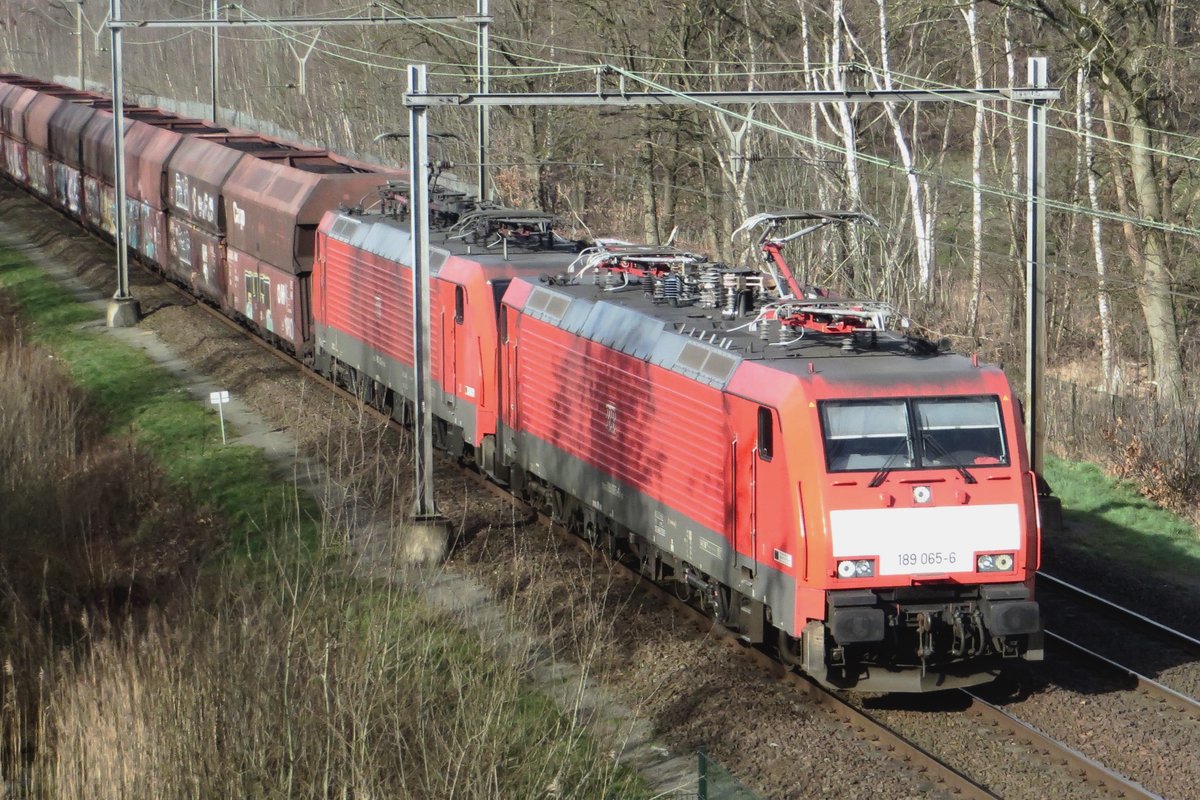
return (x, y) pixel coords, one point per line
(277, 674)
(81, 515)
(303, 685)
(1154, 445)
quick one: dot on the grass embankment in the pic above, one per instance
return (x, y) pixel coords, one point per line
(254, 670)
(1110, 520)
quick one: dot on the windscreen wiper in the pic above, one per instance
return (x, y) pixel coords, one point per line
(887, 464)
(967, 476)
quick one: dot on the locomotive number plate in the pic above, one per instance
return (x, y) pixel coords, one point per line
(928, 559)
(916, 541)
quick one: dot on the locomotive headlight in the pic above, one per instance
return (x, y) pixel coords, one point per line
(999, 562)
(856, 568)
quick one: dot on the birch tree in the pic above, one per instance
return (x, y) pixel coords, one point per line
(969, 16)
(883, 78)
(1084, 126)
(1119, 38)
(733, 136)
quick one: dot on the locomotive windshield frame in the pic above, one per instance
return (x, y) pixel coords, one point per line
(909, 433)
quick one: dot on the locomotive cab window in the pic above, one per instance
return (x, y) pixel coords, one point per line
(866, 435)
(766, 431)
(927, 433)
(960, 430)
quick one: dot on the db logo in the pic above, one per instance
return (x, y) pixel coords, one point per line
(610, 418)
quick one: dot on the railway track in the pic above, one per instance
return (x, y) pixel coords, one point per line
(1071, 764)
(858, 720)
(1118, 639)
(1052, 751)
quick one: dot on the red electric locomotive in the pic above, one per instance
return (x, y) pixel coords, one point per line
(858, 497)
(362, 306)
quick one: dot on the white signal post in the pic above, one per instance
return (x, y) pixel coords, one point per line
(219, 399)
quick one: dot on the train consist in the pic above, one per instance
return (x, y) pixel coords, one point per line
(857, 498)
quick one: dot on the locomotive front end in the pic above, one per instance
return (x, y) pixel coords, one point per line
(931, 539)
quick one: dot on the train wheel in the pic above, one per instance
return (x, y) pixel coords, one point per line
(718, 601)
(683, 591)
(789, 649)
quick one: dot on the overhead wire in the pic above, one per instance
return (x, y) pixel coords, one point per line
(990, 190)
(907, 79)
(565, 68)
(999, 112)
(910, 80)
(550, 66)
(1115, 281)
(994, 191)
(288, 34)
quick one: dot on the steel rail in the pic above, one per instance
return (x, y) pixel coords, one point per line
(1152, 688)
(1087, 769)
(1185, 639)
(863, 725)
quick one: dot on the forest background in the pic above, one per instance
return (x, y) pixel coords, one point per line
(944, 181)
